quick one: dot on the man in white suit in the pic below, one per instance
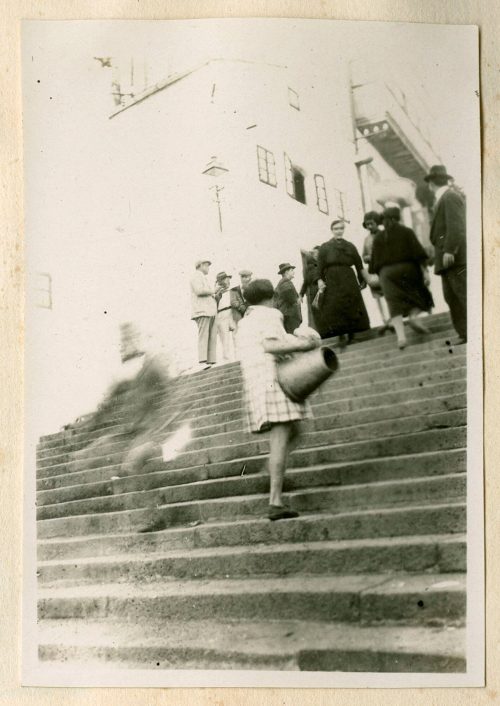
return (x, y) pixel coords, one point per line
(203, 311)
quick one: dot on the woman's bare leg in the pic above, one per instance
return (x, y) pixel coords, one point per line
(417, 325)
(281, 437)
(399, 327)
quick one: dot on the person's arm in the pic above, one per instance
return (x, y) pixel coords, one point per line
(321, 269)
(288, 344)
(454, 213)
(200, 288)
(360, 270)
(237, 301)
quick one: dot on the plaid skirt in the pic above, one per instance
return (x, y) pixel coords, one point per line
(265, 401)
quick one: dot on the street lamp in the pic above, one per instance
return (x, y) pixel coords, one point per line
(215, 168)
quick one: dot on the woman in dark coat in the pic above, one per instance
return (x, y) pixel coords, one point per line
(399, 260)
(342, 309)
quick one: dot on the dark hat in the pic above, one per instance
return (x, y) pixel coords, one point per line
(222, 276)
(392, 212)
(439, 171)
(372, 216)
(284, 267)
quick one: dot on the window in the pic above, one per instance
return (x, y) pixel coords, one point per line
(321, 199)
(293, 99)
(267, 166)
(339, 204)
(295, 181)
(43, 290)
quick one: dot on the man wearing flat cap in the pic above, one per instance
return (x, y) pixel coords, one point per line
(287, 299)
(238, 303)
(203, 311)
(448, 236)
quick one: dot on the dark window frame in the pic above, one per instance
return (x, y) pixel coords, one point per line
(291, 172)
(265, 159)
(319, 185)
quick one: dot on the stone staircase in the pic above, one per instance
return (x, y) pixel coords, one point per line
(177, 566)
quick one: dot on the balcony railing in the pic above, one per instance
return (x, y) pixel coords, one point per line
(398, 128)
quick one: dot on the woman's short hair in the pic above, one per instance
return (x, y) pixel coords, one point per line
(372, 216)
(258, 291)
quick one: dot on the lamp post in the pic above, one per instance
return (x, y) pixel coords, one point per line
(215, 168)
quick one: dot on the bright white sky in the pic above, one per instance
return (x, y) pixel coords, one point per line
(67, 100)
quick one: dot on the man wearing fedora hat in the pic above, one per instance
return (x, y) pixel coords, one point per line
(287, 299)
(448, 236)
(203, 311)
(225, 322)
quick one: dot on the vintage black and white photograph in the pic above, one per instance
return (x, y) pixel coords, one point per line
(253, 354)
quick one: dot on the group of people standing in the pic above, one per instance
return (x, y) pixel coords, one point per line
(269, 319)
(395, 268)
(216, 309)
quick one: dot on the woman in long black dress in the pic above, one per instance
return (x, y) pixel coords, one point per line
(342, 309)
(399, 260)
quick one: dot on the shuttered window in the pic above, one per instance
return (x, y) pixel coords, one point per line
(321, 198)
(266, 166)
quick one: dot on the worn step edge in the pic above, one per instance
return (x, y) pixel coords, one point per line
(441, 518)
(306, 645)
(379, 468)
(433, 599)
(439, 554)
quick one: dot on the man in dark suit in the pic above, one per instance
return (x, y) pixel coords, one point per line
(287, 299)
(448, 235)
(238, 302)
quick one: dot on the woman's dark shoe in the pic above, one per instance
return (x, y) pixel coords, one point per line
(281, 512)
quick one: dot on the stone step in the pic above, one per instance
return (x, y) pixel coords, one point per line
(259, 444)
(361, 351)
(230, 380)
(325, 430)
(410, 599)
(340, 424)
(437, 397)
(219, 394)
(373, 382)
(125, 517)
(422, 442)
(436, 519)
(443, 554)
(258, 645)
(367, 470)
(346, 412)
(219, 421)
(48, 457)
(72, 435)
(192, 489)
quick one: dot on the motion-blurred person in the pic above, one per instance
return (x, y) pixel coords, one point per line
(261, 339)
(225, 322)
(287, 299)
(342, 309)
(371, 221)
(399, 260)
(238, 301)
(309, 287)
(203, 311)
(448, 235)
